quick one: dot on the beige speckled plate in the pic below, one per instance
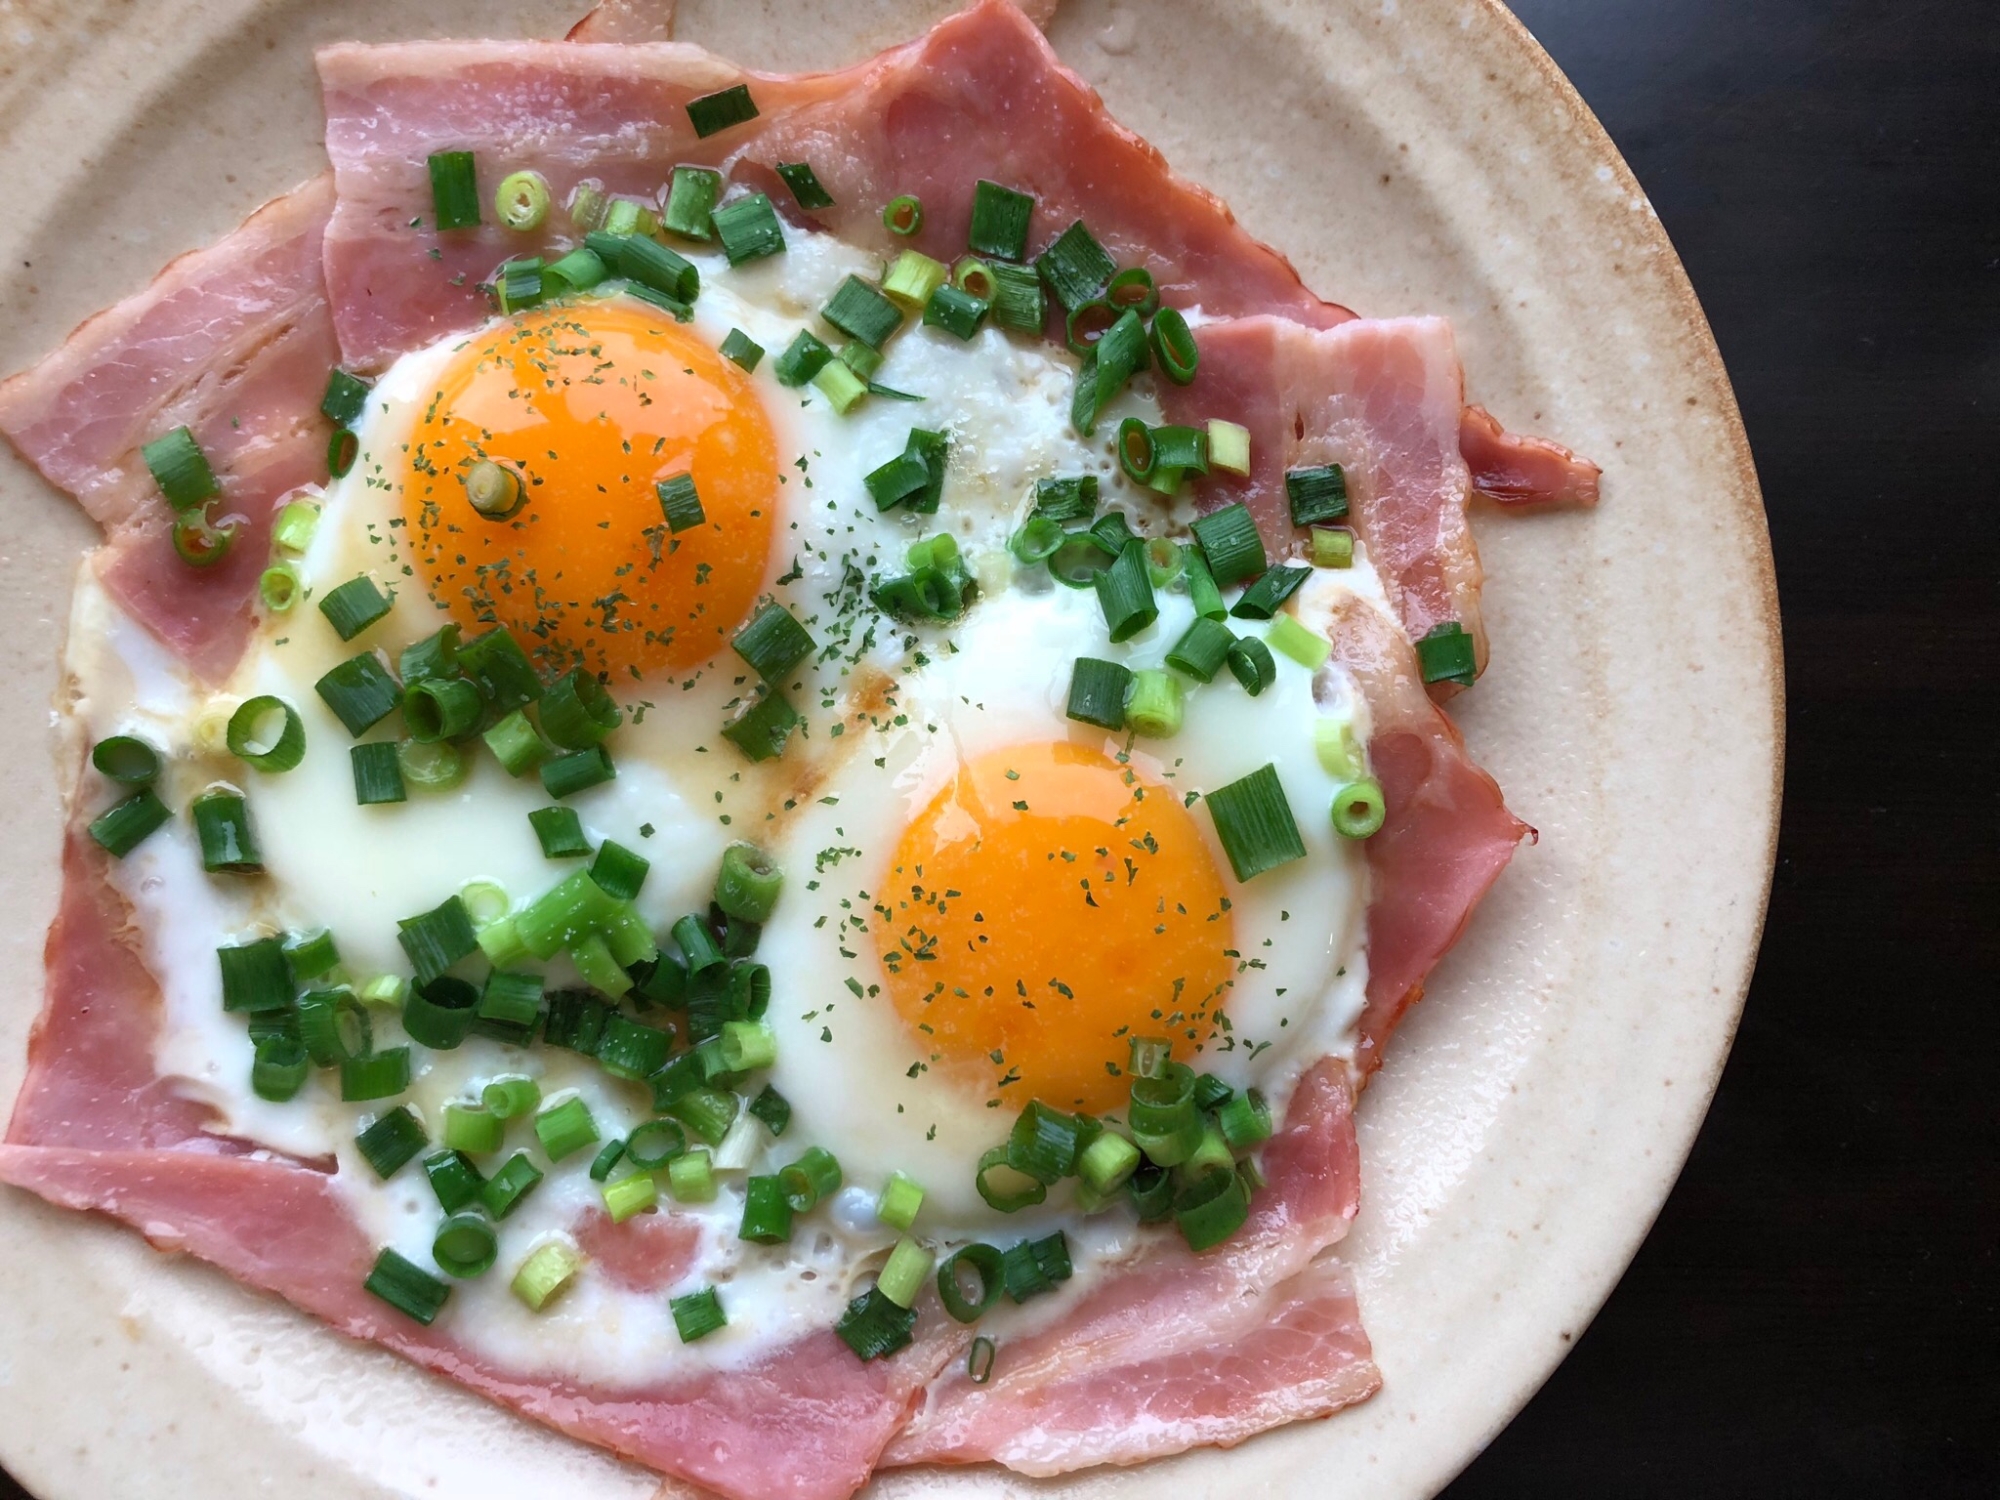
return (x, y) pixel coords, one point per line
(1422, 156)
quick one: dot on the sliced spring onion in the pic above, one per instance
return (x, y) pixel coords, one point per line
(629, 1195)
(511, 1098)
(1037, 541)
(510, 1005)
(1184, 448)
(631, 1051)
(494, 489)
(1097, 691)
(222, 825)
(560, 832)
(255, 976)
(912, 277)
(278, 587)
(748, 1046)
(1255, 824)
(198, 542)
(1202, 649)
(718, 111)
(873, 1326)
(465, 1246)
(1358, 809)
(296, 523)
(504, 1190)
(521, 202)
(1296, 641)
(378, 774)
(344, 397)
(624, 217)
(278, 1068)
(655, 1143)
(618, 871)
(334, 1026)
(1244, 1120)
(436, 655)
(1125, 593)
(454, 189)
(577, 771)
(360, 691)
(1202, 592)
(761, 730)
(1107, 1162)
(1066, 499)
(749, 229)
(746, 886)
(518, 284)
(1000, 218)
(697, 1314)
(1044, 1142)
(1135, 449)
(801, 359)
(905, 1272)
(1213, 1208)
(983, 1262)
(1018, 300)
(1075, 267)
(606, 1161)
(577, 712)
(691, 1178)
(767, 1214)
(691, 199)
(437, 939)
(354, 606)
(1230, 544)
(309, 955)
(1228, 446)
(407, 1287)
(1166, 560)
(775, 1110)
(578, 271)
(441, 708)
(386, 990)
(181, 469)
(379, 1075)
(974, 275)
(1174, 347)
(454, 1180)
(900, 1199)
(342, 449)
(1035, 1266)
(1332, 547)
(1151, 1190)
(122, 828)
(545, 1274)
(810, 1180)
(1165, 1123)
(497, 663)
(772, 642)
(1085, 326)
(957, 312)
(1445, 654)
(1317, 494)
(979, 1360)
(903, 215)
(837, 382)
(806, 187)
(861, 312)
(129, 760)
(1133, 288)
(740, 349)
(1338, 751)
(1112, 361)
(598, 966)
(1251, 664)
(679, 503)
(438, 1014)
(587, 206)
(860, 360)
(1004, 1187)
(1272, 588)
(391, 1141)
(1154, 707)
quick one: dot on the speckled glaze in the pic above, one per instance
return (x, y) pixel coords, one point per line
(1411, 156)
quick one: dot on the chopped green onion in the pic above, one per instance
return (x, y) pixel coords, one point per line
(587, 206)
(379, 1075)
(130, 761)
(1212, 1152)
(1097, 691)
(1151, 1190)
(577, 771)
(748, 1046)
(378, 773)
(1018, 300)
(999, 221)
(1149, 1056)
(655, 1143)
(334, 1026)
(354, 606)
(767, 1214)
(342, 449)
(1202, 592)
(438, 1013)
(510, 1004)
(1244, 1120)
(454, 189)
(1044, 1142)
(1273, 587)
(511, 1098)
(984, 1262)
(718, 111)
(625, 217)
(1111, 531)
(386, 990)
(435, 656)
(295, 526)
(775, 1110)
(1202, 649)
(1181, 448)
(1112, 361)
(518, 284)
(200, 544)
(691, 199)
(746, 886)
(1317, 494)
(278, 1068)
(181, 469)
(1035, 1266)
(1339, 754)
(1037, 541)
(465, 1246)
(1228, 446)
(578, 271)
(598, 967)
(739, 348)
(979, 1360)
(437, 939)
(697, 1314)
(1358, 809)
(842, 388)
(1296, 641)
(222, 825)
(652, 264)
(560, 832)
(1445, 654)
(122, 828)
(577, 712)
(1086, 325)
(691, 1178)
(545, 1274)
(810, 1180)
(504, 1190)
(1004, 1187)
(900, 1199)
(408, 1288)
(957, 312)
(1230, 544)
(762, 728)
(278, 587)
(255, 976)
(1125, 593)
(1066, 499)
(606, 1161)
(522, 201)
(1133, 288)
(897, 480)
(576, 1021)
(1174, 347)
(493, 489)
(859, 359)
(749, 229)
(1164, 1121)
(497, 663)
(904, 215)
(903, 1275)
(345, 397)
(619, 871)
(861, 312)
(391, 1141)
(805, 186)
(873, 1326)
(802, 359)
(1154, 706)
(697, 944)
(360, 691)
(1255, 824)
(1075, 267)
(912, 278)
(1166, 560)
(441, 708)
(1250, 662)
(1213, 1209)
(629, 1196)
(975, 276)
(1107, 1162)
(454, 1180)
(679, 503)
(309, 955)
(773, 642)
(631, 1051)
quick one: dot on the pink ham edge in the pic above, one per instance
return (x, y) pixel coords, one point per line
(235, 342)
(653, 20)
(980, 95)
(1523, 472)
(1178, 1350)
(804, 1424)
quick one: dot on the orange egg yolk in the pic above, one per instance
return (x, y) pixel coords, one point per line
(1048, 905)
(593, 407)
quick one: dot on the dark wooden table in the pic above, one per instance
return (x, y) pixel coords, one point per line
(1815, 1313)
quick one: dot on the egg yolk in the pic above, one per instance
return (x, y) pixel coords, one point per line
(592, 407)
(1048, 905)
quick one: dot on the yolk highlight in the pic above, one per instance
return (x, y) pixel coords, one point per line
(592, 407)
(1048, 905)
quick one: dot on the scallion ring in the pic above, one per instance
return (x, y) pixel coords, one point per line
(126, 759)
(465, 1246)
(494, 490)
(341, 451)
(904, 215)
(1174, 346)
(201, 543)
(1088, 323)
(251, 741)
(1133, 288)
(1038, 540)
(979, 1360)
(972, 275)
(1135, 449)
(522, 201)
(1078, 561)
(279, 587)
(432, 767)
(1358, 810)
(1165, 561)
(983, 1261)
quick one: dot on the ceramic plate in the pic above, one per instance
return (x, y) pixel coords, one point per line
(1538, 1103)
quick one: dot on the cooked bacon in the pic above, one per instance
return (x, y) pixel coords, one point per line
(980, 95)
(1380, 398)
(232, 341)
(1179, 1350)
(804, 1423)
(1523, 471)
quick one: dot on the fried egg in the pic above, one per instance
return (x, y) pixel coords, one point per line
(984, 901)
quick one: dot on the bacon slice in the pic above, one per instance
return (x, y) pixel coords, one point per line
(1178, 1350)
(234, 342)
(981, 95)
(1521, 472)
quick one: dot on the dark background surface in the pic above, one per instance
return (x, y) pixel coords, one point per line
(1815, 1313)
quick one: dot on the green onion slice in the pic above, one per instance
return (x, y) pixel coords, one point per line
(454, 189)
(1097, 692)
(465, 1246)
(521, 202)
(222, 826)
(494, 490)
(1267, 595)
(874, 1326)
(1004, 1187)
(1000, 218)
(1133, 288)
(1358, 809)
(697, 1314)
(1446, 654)
(749, 229)
(1125, 593)
(181, 469)
(1174, 347)
(200, 543)
(407, 1287)
(983, 1262)
(1255, 824)
(719, 111)
(904, 215)
(1075, 267)
(1230, 544)
(127, 759)
(1213, 1208)
(278, 1068)
(278, 586)
(342, 449)
(345, 397)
